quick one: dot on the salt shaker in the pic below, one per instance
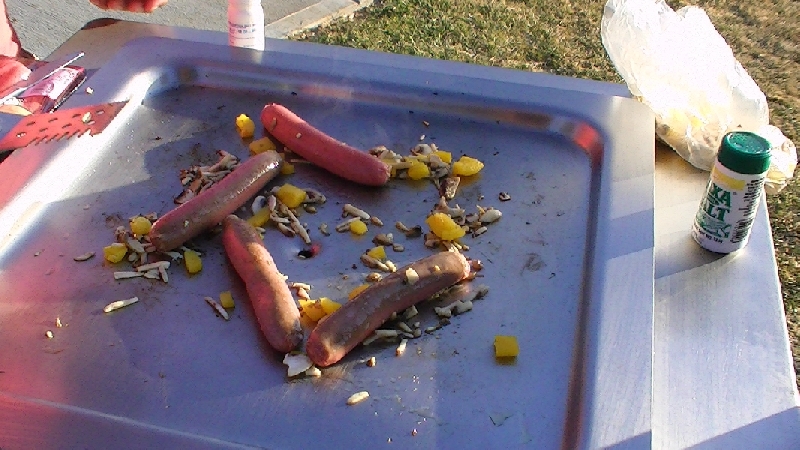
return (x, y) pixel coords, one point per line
(723, 221)
(246, 24)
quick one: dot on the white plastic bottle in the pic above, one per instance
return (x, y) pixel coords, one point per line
(733, 193)
(246, 24)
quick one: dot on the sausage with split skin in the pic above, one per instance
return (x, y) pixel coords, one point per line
(348, 326)
(211, 206)
(274, 307)
(322, 150)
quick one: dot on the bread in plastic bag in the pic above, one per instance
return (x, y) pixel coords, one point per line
(679, 65)
(783, 159)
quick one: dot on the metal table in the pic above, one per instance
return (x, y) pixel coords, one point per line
(722, 374)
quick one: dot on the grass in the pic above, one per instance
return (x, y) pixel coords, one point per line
(563, 37)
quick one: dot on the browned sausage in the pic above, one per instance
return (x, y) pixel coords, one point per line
(341, 331)
(322, 150)
(212, 205)
(272, 301)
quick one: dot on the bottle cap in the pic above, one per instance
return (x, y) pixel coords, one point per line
(744, 152)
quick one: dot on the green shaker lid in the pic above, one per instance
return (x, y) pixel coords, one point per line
(744, 152)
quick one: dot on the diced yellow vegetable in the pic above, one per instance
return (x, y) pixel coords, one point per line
(328, 305)
(418, 171)
(358, 227)
(505, 346)
(192, 260)
(226, 299)
(291, 196)
(312, 309)
(467, 166)
(140, 226)
(261, 145)
(287, 169)
(446, 157)
(444, 227)
(260, 218)
(245, 126)
(357, 290)
(377, 252)
(115, 252)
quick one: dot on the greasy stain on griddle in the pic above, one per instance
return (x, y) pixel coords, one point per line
(195, 151)
(187, 75)
(113, 220)
(533, 263)
(538, 242)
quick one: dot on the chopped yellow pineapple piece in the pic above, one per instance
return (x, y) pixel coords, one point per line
(357, 290)
(505, 346)
(418, 171)
(226, 299)
(312, 309)
(291, 196)
(261, 145)
(192, 260)
(358, 227)
(467, 166)
(245, 126)
(140, 226)
(260, 218)
(115, 252)
(328, 305)
(287, 169)
(444, 226)
(377, 252)
(446, 157)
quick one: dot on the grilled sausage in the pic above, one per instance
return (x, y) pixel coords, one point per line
(269, 294)
(322, 150)
(212, 205)
(341, 331)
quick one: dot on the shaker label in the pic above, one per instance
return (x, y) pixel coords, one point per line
(730, 183)
(713, 210)
(717, 202)
(727, 209)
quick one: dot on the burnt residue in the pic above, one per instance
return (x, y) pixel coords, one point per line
(113, 220)
(309, 252)
(533, 263)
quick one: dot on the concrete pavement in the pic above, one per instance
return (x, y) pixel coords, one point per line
(44, 25)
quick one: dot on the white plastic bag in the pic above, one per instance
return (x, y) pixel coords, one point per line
(679, 65)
